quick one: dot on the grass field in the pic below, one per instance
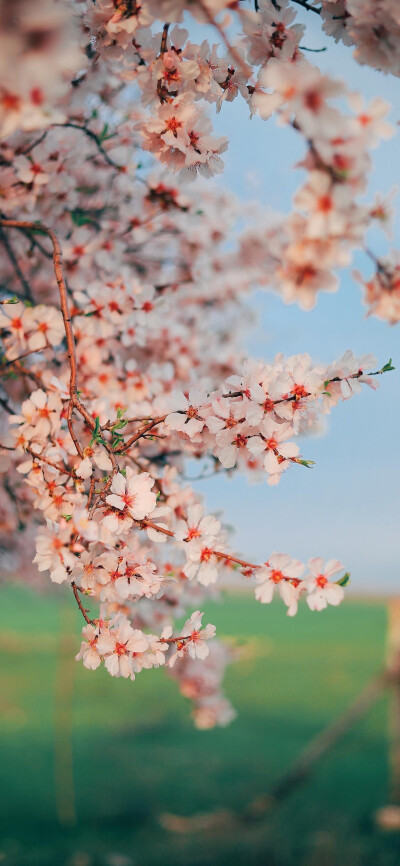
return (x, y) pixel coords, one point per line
(90, 763)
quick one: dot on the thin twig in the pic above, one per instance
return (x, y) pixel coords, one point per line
(13, 259)
(92, 135)
(82, 609)
(34, 143)
(308, 6)
(314, 50)
(235, 54)
(140, 433)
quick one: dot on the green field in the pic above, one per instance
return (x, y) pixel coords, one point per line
(90, 763)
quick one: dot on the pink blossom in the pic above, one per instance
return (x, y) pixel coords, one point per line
(195, 639)
(133, 494)
(277, 573)
(117, 647)
(321, 591)
(88, 652)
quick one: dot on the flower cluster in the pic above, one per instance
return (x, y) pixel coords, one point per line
(329, 220)
(382, 291)
(373, 26)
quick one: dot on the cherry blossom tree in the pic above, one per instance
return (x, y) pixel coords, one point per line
(123, 290)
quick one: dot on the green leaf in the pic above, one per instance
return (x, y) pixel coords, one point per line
(103, 133)
(38, 230)
(344, 580)
(308, 463)
(388, 367)
(119, 425)
(13, 300)
(96, 436)
(87, 190)
(116, 440)
(81, 217)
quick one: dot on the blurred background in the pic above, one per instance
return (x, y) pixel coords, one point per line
(99, 772)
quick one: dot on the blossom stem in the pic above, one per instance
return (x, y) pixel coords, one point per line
(37, 457)
(161, 90)
(294, 397)
(22, 370)
(231, 48)
(57, 263)
(82, 609)
(14, 261)
(26, 355)
(305, 5)
(139, 434)
(74, 402)
(218, 553)
(92, 135)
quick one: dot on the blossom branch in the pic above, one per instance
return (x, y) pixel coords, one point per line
(82, 609)
(92, 135)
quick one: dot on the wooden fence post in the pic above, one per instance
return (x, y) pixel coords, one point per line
(388, 818)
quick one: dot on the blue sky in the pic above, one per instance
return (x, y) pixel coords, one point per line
(347, 506)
